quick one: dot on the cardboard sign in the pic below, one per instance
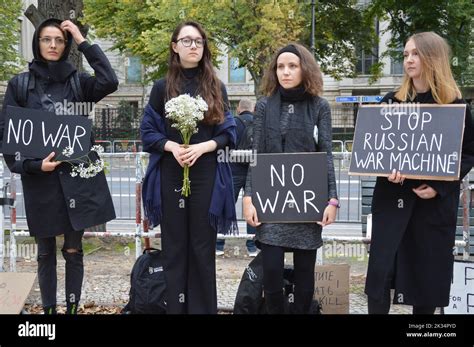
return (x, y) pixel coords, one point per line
(461, 296)
(331, 288)
(419, 140)
(290, 187)
(36, 133)
(14, 289)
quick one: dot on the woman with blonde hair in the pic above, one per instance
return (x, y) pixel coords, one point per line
(414, 221)
(284, 122)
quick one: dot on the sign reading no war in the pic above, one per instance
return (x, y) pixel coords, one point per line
(419, 140)
(290, 187)
(36, 133)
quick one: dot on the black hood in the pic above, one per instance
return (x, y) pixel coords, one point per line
(36, 49)
(57, 71)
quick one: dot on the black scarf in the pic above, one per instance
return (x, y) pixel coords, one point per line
(57, 71)
(299, 136)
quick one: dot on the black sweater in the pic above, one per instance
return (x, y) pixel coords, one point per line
(205, 131)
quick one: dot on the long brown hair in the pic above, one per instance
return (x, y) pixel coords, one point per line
(312, 79)
(434, 54)
(209, 85)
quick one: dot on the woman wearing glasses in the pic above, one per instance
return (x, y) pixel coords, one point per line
(189, 225)
(56, 203)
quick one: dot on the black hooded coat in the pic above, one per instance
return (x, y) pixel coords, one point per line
(55, 202)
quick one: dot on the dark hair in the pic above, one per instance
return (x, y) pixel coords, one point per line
(209, 85)
(55, 25)
(312, 79)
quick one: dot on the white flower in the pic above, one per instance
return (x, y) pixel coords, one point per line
(68, 151)
(88, 168)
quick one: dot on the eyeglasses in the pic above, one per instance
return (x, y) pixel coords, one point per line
(187, 42)
(48, 40)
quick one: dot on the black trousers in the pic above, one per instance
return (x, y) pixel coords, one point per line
(273, 268)
(47, 275)
(188, 240)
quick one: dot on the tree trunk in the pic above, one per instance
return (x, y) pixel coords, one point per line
(60, 9)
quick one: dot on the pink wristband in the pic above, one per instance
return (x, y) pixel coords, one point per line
(333, 203)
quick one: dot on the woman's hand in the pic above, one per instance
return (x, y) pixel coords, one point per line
(48, 164)
(329, 215)
(176, 149)
(193, 152)
(67, 25)
(396, 177)
(425, 192)
(250, 213)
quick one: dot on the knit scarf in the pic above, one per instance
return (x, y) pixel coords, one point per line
(222, 215)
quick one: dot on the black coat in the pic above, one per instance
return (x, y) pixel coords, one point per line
(412, 238)
(55, 202)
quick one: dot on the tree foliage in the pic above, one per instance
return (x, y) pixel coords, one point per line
(10, 60)
(452, 19)
(249, 30)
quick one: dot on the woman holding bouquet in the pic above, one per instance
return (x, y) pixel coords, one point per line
(286, 121)
(57, 203)
(189, 224)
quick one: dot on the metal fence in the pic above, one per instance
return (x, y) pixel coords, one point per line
(112, 124)
(125, 170)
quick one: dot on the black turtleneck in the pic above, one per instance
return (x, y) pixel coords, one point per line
(205, 132)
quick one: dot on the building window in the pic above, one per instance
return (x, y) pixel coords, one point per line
(396, 66)
(133, 68)
(236, 73)
(365, 60)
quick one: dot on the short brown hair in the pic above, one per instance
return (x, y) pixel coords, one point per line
(312, 79)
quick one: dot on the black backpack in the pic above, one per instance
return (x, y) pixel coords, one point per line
(249, 298)
(148, 285)
(27, 81)
(246, 140)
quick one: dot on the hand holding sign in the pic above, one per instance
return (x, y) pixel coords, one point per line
(250, 212)
(49, 164)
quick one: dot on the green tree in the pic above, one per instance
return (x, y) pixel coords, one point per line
(250, 30)
(452, 19)
(10, 60)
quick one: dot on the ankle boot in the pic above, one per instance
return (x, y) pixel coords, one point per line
(51, 309)
(274, 302)
(72, 307)
(303, 300)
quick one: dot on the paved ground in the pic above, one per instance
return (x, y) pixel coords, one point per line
(108, 264)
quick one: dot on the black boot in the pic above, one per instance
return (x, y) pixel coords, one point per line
(274, 302)
(72, 307)
(51, 309)
(303, 301)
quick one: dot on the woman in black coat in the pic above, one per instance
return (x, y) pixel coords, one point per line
(57, 203)
(414, 221)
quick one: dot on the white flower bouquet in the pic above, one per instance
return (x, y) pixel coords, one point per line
(185, 112)
(86, 168)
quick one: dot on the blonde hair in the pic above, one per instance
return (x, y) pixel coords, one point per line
(434, 53)
(312, 78)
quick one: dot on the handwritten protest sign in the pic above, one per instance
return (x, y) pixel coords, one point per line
(35, 133)
(461, 297)
(419, 140)
(290, 187)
